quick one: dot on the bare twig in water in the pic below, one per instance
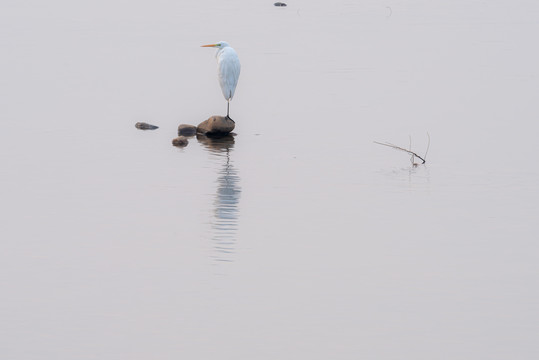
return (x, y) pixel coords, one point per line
(408, 151)
(399, 148)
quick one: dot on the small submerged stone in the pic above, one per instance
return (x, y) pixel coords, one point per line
(216, 125)
(180, 141)
(145, 126)
(279, 4)
(187, 130)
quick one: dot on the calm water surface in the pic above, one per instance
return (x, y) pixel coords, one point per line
(297, 238)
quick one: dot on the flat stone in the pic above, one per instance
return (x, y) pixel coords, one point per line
(279, 4)
(187, 130)
(216, 125)
(145, 126)
(180, 141)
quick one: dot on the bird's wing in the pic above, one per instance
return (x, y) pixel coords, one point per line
(229, 72)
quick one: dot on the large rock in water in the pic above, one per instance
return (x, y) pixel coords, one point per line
(216, 125)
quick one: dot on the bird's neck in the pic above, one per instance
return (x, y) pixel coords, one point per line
(219, 52)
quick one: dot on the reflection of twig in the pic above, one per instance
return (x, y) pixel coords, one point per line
(428, 145)
(408, 151)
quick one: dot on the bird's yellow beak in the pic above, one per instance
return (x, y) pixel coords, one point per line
(211, 45)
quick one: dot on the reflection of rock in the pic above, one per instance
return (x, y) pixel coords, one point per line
(187, 130)
(216, 125)
(145, 126)
(215, 143)
(180, 141)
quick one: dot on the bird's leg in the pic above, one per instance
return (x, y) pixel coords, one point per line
(227, 111)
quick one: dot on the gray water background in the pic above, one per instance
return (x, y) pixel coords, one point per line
(298, 239)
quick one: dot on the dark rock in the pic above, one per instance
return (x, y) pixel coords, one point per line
(145, 126)
(187, 130)
(180, 141)
(216, 125)
(279, 4)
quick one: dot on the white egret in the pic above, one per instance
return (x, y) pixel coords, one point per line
(229, 70)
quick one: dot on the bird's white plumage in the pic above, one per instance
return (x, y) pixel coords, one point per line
(228, 66)
(229, 71)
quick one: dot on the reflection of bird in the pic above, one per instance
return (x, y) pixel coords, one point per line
(229, 69)
(226, 206)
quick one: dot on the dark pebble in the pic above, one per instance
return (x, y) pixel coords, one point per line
(187, 130)
(180, 141)
(279, 4)
(145, 126)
